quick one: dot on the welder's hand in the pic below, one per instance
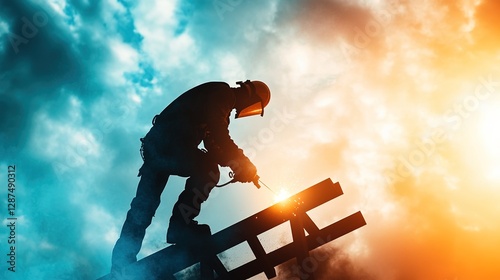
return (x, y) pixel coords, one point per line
(245, 172)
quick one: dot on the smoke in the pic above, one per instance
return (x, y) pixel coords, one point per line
(393, 99)
(325, 263)
(333, 19)
(401, 122)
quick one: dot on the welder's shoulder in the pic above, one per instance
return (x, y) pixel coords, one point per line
(214, 87)
(216, 93)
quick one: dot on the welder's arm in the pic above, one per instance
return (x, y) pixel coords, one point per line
(225, 151)
(245, 171)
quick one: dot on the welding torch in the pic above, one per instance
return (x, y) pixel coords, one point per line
(256, 181)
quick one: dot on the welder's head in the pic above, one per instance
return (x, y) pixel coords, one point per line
(251, 98)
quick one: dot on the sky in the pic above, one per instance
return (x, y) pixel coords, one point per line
(396, 100)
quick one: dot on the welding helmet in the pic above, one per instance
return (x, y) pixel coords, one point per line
(258, 98)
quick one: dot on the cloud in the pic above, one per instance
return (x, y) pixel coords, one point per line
(359, 90)
(326, 262)
(486, 25)
(394, 90)
(52, 82)
(326, 21)
(30, 74)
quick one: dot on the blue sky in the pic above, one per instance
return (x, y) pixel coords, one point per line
(81, 91)
(360, 89)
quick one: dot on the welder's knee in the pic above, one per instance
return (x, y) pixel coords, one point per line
(210, 170)
(203, 180)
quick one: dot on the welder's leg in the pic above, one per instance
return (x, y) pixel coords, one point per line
(205, 176)
(142, 210)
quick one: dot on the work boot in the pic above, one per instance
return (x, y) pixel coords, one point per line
(180, 232)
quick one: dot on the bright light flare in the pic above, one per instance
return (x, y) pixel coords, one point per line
(489, 131)
(281, 195)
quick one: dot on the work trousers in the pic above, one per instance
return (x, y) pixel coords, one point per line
(203, 175)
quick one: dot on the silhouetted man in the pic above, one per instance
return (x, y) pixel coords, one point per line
(171, 148)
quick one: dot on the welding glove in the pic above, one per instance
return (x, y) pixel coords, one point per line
(244, 171)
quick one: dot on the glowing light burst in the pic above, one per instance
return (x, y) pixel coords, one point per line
(489, 129)
(281, 195)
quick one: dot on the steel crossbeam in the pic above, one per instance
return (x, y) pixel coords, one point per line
(166, 262)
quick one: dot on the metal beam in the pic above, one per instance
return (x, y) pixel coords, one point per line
(164, 263)
(288, 252)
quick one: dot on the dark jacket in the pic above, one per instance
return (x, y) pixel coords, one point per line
(200, 114)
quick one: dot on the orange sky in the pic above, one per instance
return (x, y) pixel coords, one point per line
(399, 101)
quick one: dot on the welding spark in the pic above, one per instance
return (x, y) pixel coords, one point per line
(281, 195)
